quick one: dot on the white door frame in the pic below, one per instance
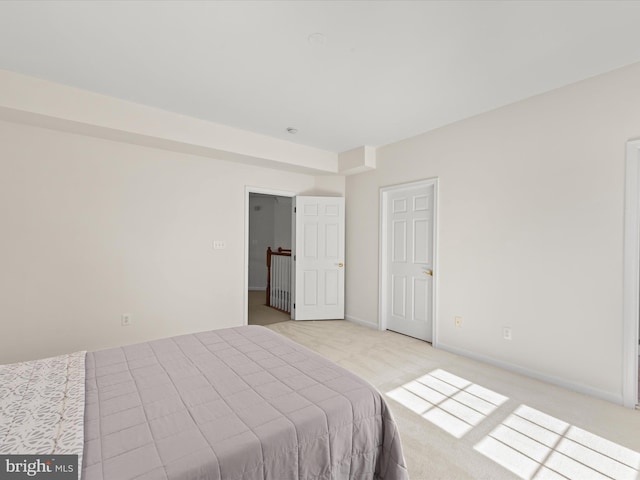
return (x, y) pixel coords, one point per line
(631, 282)
(383, 284)
(264, 191)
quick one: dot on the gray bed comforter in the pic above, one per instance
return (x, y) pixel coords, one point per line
(238, 403)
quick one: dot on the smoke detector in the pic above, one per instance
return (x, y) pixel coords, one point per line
(317, 39)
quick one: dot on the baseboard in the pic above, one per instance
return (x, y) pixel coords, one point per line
(560, 382)
(359, 321)
(257, 289)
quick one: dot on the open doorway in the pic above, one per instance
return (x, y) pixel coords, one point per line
(269, 258)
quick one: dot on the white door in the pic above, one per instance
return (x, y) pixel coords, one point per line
(408, 213)
(319, 258)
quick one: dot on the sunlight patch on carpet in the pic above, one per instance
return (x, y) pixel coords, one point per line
(534, 445)
(452, 403)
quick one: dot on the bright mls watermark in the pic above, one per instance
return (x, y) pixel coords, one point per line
(49, 467)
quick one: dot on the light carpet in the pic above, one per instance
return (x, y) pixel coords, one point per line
(461, 419)
(260, 314)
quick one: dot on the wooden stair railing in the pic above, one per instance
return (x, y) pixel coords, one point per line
(281, 298)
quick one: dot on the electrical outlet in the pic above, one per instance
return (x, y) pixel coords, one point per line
(458, 321)
(219, 245)
(506, 333)
(126, 319)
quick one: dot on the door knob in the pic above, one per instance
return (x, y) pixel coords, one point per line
(341, 264)
(428, 272)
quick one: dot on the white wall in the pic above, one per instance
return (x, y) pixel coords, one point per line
(261, 233)
(530, 229)
(91, 229)
(282, 222)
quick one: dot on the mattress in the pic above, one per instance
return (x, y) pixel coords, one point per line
(238, 403)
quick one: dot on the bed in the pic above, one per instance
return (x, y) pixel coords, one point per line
(237, 403)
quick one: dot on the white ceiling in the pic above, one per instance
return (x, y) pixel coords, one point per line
(387, 70)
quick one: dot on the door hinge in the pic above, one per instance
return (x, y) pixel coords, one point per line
(295, 209)
(294, 258)
(294, 306)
